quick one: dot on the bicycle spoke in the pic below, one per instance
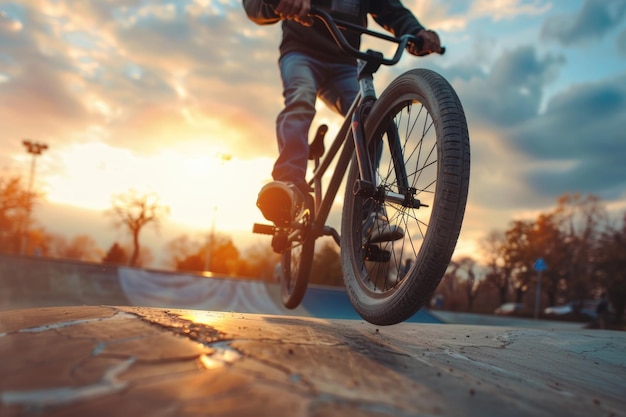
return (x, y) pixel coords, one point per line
(417, 149)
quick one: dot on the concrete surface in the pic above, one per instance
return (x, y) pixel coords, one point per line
(133, 361)
(453, 317)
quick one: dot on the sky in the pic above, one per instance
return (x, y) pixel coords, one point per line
(179, 98)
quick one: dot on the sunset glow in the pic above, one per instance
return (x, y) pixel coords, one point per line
(194, 186)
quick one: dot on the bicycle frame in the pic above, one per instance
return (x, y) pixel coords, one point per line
(323, 200)
(351, 135)
(350, 140)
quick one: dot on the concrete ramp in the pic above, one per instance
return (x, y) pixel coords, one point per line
(145, 288)
(39, 282)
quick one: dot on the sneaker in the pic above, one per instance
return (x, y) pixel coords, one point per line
(280, 202)
(376, 229)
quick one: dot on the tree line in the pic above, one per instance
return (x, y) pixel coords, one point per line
(583, 247)
(131, 211)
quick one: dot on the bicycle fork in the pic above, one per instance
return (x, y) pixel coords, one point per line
(366, 186)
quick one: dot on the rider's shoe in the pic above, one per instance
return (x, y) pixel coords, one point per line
(377, 229)
(280, 202)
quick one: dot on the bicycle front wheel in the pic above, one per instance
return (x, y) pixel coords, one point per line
(418, 138)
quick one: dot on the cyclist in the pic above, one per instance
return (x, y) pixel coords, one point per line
(312, 65)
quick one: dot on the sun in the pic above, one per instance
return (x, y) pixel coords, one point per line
(202, 190)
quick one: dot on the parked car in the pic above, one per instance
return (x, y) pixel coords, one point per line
(508, 309)
(559, 310)
(586, 308)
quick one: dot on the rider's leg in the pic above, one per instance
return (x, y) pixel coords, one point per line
(301, 77)
(281, 200)
(340, 87)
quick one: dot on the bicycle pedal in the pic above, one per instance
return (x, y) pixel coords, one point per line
(375, 254)
(280, 242)
(263, 229)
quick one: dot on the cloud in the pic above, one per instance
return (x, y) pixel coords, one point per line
(37, 88)
(525, 154)
(581, 135)
(457, 15)
(8, 24)
(621, 44)
(227, 91)
(138, 76)
(507, 9)
(511, 92)
(594, 20)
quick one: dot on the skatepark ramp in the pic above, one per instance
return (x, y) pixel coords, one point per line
(28, 282)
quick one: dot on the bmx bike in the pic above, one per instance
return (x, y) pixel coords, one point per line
(406, 155)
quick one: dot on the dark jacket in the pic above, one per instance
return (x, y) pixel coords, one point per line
(316, 41)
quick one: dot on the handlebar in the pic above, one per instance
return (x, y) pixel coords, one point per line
(333, 25)
(373, 57)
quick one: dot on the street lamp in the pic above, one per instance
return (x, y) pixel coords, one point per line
(209, 254)
(35, 149)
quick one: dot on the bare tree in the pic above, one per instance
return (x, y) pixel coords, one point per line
(326, 268)
(185, 254)
(217, 254)
(260, 262)
(80, 248)
(15, 202)
(519, 256)
(115, 255)
(611, 267)
(499, 270)
(464, 271)
(580, 220)
(134, 210)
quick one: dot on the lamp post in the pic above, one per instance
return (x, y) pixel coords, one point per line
(209, 254)
(35, 149)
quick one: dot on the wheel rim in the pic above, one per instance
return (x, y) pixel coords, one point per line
(418, 142)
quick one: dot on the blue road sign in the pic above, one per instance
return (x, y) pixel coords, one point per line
(540, 265)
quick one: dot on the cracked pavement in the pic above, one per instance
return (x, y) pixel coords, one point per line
(101, 361)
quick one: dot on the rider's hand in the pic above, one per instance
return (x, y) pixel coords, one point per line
(430, 43)
(297, 10)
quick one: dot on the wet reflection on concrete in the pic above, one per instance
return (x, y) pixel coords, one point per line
(101, 361)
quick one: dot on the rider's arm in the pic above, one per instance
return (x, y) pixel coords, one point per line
(394, 17)
(266, 12)
(399, 20)
(260, 12)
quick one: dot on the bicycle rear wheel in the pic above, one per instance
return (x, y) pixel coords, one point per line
(418, 134)
(297, 260)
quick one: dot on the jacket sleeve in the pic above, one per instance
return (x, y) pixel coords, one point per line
(260, 12)
(394, 17)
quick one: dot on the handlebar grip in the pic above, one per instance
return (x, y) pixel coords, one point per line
(419, 44)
